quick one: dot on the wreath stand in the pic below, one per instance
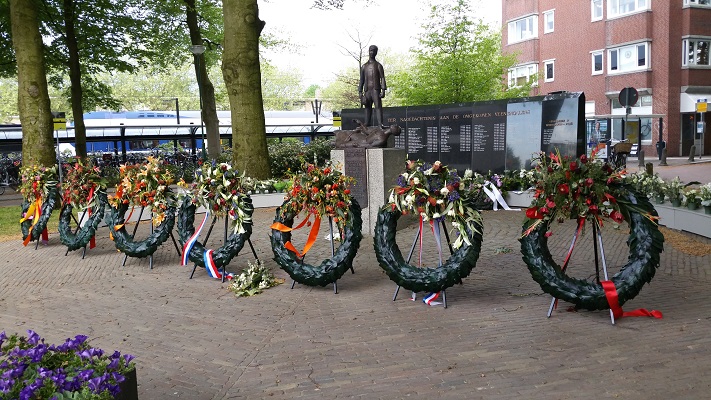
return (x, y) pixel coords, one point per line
(135, 228)
(435, 228)
(333, 253)
(83, 252)
(597, 242)
(209, 231)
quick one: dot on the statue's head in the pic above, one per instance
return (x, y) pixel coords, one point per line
(394, 130)
(373, 50)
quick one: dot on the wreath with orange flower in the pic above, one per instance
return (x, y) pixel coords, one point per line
(317, 192)
(147, 186)
(587, 190)
(83, 189)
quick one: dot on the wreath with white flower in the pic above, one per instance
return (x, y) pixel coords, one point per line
(430, 192)
(218, 188)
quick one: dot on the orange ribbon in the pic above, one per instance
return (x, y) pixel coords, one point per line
(35, 215)
(613, 301)
(119, 226)
(313, 234)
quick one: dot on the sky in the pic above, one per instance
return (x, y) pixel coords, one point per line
(392, 24)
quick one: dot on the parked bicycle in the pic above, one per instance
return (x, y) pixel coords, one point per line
(9, 172)
(618, 154)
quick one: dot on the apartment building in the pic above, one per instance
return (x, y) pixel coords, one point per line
(658, 47)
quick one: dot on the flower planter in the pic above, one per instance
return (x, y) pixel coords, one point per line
(692, 206)
(129, 387)
(659, 199)
(676, 202)
(707, 209)
(694, 221)
(519, 199)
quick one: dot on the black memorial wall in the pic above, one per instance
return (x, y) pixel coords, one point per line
(487, 136)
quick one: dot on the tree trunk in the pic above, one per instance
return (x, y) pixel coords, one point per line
(207, 90)
(75, 78)
(33, 99)
(242, 74)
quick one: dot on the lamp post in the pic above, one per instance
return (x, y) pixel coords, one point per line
(198, 50)
(177, 108)
(316, 104)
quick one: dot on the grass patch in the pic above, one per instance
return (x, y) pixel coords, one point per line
(10, 223)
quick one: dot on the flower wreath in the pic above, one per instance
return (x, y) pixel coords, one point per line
(145, 185)
(39, 189)
(83, 188)
(591, 191)
(432, 192)
(318, 192)
(217, 188)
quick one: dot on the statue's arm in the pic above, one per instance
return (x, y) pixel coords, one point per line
(361, 82)
(384, 86)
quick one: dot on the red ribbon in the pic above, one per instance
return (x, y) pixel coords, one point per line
(92, 242)
(614, 302)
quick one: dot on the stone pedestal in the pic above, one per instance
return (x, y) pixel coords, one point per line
(380, 168)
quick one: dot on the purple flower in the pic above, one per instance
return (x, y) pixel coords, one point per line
(96, 384)
(33, 338)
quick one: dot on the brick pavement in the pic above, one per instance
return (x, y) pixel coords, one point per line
(193, 339)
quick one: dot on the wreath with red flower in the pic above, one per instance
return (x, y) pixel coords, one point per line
(39, 187)
(587, 190)
(83, 189)
(317, 192)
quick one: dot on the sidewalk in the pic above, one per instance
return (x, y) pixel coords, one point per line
(194, 340)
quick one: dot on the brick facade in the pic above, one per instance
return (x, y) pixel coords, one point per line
(664, 25)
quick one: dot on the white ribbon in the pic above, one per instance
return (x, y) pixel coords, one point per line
(496, 197)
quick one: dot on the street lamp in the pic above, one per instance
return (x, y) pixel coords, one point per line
(198, 50)
(177, 108)
(316, 104)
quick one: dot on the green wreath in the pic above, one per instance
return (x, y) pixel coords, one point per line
(47, 206)
(417, 279)
(125, 243)
(645, 244)
(329, 270)
(82, 237)
(223, 255)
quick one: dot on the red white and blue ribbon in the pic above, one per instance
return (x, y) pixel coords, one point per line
(211, 268)
(430, 299)
(191, 242)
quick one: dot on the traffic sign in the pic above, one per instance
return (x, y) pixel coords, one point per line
(628, 97)
(701, 106)
(60, 120)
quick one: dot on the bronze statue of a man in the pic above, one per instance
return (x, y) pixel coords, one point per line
(372, 86)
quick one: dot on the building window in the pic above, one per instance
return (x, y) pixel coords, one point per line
(596, 62)
(548, 21)
(596, 10)
(706, 3)
(618, 8)
(522, 29)
(548, 70)
(628, 58)
(523, 74)
(695, 52)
